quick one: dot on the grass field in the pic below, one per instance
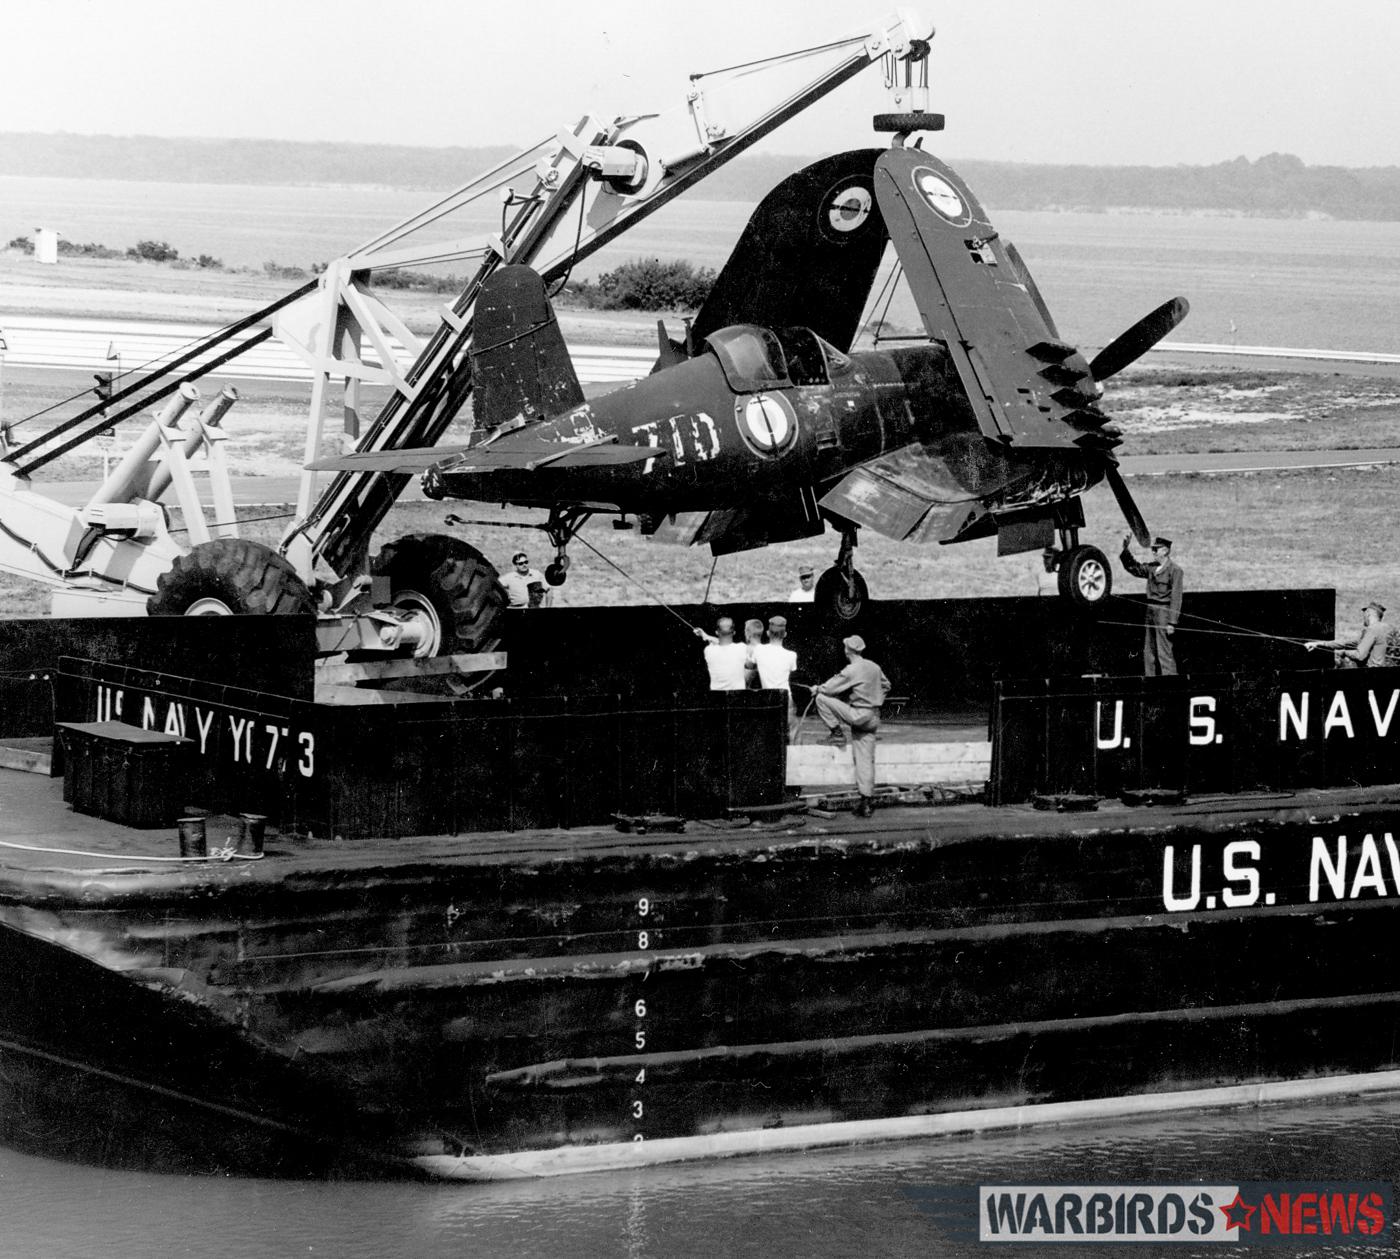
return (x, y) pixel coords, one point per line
(1261, 531)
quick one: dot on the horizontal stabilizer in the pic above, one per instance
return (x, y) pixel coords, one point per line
(522, 453)
(541, 454)
(405, 462)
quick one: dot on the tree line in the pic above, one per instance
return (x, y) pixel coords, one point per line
(1278, 185)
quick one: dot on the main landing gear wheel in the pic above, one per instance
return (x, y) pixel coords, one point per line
(841, 592)
(230, 577)
(1085, 577)
(840, 596)
(452, 588)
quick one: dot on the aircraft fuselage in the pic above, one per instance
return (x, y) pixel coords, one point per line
(723, 436)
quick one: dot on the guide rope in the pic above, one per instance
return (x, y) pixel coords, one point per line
(1225, 633)
(657, 599)
(1228, 629)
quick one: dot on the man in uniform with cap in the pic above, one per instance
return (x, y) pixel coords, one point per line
(864, 685)
(1376, 646)
(1165, 583)
(775, 665)
(806, 591)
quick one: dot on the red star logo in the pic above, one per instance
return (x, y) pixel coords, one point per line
(1237, 1213)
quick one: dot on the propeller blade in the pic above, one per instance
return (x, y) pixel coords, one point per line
(1131, 345)
(1129, 508)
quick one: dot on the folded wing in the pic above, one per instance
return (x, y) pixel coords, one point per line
(808, 255)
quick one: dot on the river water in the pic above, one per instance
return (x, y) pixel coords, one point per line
(1310, 284)
(857, 1202)
(1305, 283)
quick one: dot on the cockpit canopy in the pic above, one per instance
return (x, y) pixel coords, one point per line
(754, 359)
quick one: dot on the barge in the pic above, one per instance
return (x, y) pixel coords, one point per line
(573, 929)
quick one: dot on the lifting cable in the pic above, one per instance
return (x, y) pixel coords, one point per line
(786, 56)
(573, 257)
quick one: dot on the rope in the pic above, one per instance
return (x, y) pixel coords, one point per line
(217, 854)
(802, 720)
(244, 520)
(714, 563)
(1225, 633)
(657, 599)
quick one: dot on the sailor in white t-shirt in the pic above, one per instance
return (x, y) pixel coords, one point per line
(724, 658)
(775, 665)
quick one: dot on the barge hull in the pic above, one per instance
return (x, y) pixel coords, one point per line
(530, 1003)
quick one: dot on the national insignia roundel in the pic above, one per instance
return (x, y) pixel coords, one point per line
(767, 422)
(940, 196)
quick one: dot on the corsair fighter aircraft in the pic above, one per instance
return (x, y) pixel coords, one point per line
(764, 427)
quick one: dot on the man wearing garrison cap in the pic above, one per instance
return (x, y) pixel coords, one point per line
(1165, 583)
(865, 686)
(775, 663)
(1376, 645)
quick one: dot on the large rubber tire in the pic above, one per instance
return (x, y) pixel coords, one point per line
(839, 600)
(1086, 580)
(231, 577)
(453, 583)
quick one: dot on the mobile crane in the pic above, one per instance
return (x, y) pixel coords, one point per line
(431, 597)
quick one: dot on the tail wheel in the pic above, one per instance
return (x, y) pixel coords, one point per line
(231, 577)
(1085, 577)
(451, 587)
(839, 596)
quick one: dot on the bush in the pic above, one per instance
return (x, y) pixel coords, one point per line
(71, 249)
(278, 272)
(153, 251)
(404, 278)
(648, 284)
(22, 243)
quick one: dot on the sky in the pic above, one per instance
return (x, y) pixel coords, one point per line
(1094, 81)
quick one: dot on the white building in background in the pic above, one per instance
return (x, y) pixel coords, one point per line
(45, 245)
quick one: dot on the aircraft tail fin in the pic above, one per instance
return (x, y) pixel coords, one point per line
(521, 369)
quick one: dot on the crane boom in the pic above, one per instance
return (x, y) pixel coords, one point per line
(585, 188)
